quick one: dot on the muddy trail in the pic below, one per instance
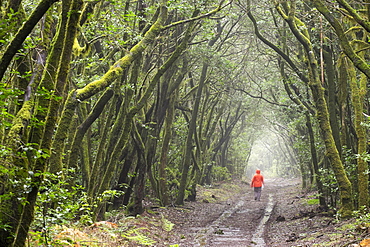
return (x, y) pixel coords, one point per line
(282, 218)
(237, 221)
(240, 224)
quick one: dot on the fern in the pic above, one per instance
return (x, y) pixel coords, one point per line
(167, 225)
(138, 237)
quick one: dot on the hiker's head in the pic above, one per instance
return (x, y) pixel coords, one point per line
(258, 171)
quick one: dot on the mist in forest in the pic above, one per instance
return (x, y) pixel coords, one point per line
(269, 154)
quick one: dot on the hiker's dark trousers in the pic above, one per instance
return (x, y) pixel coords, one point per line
(257, 193)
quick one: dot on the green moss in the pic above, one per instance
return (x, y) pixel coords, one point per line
(309, 239)
(218, 193)
(17, 132)
(98, 85)
(313, 201)
(208, 196)
(349, 226)
(80, 50)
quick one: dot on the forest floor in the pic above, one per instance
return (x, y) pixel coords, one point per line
(227, 215)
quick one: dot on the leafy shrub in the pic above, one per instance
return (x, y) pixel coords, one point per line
(220, 173)
(60, 202)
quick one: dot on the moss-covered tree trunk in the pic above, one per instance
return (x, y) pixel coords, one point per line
(22, 34)
(162, 183)
(292, 91)
(51, 119)
(315, 162)
(188, 148)
(206, 144)
(318, 94)
(110, 77)
(358, 93)
(332, 98)
(22, 217)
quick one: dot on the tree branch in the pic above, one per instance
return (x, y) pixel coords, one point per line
(22, 34)
(212, 12)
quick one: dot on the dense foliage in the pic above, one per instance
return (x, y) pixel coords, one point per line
(107, 103)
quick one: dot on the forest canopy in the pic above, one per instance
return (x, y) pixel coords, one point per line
(105, 104)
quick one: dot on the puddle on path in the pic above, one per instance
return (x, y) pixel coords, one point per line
(257, 238)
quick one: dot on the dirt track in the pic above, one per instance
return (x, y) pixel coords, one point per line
(239, 221)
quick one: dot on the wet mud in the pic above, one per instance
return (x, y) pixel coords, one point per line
(240, 222)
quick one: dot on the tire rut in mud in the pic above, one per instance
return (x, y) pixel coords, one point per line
(242, 224)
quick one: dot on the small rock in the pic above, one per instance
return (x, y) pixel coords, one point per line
(219, 231)
(292, 237)
(280, 218)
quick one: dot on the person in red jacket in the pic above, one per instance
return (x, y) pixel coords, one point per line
(257, 183)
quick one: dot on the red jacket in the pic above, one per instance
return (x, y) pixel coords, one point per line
(257, 180)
